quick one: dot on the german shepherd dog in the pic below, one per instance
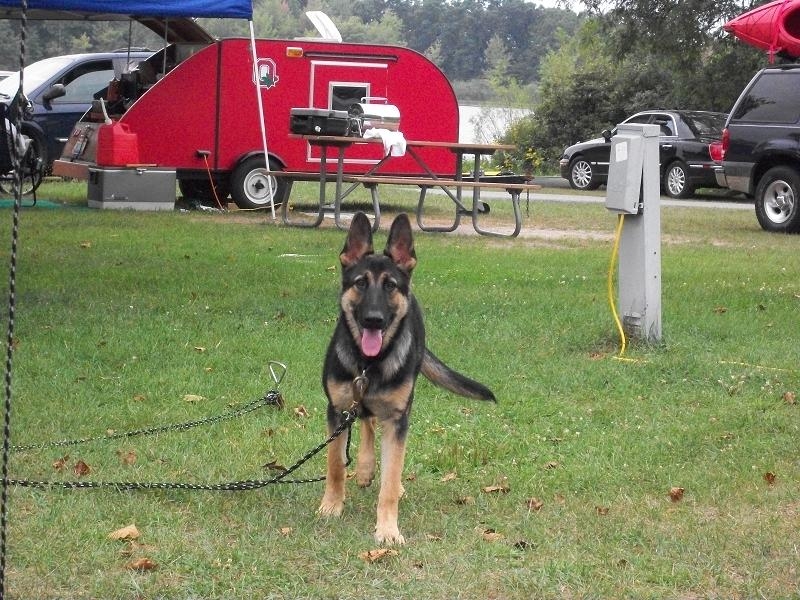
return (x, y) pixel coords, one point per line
(372, 363)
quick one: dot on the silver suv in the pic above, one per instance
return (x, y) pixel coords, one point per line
(761, 147)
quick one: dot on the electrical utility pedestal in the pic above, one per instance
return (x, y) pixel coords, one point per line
(633, 191)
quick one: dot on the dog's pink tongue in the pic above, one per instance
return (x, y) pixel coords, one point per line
(371, 341)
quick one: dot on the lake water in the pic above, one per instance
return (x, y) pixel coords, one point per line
(485, 125)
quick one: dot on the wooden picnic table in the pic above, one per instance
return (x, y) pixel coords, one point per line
(372, 178)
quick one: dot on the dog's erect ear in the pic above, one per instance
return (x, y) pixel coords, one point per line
(359, 241)
(400, 245)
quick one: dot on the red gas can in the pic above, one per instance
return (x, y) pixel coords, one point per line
(117, 146)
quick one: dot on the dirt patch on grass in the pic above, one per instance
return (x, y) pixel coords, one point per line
(551, 237)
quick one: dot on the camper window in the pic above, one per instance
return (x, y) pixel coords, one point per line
(344, 95)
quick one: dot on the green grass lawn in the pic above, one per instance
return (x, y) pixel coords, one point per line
(562, 490)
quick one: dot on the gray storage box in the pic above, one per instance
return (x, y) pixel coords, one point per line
(137, 188)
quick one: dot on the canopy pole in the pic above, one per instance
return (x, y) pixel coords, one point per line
(261, 118)
(165, 44)
(130, 41)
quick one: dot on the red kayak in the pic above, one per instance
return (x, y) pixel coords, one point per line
(774, 27)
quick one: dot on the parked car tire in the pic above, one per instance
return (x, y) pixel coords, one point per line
(777, 200)
(581, 175)
(250, 185)
(676, 181)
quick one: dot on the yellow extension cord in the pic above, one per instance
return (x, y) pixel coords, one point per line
(611, 268)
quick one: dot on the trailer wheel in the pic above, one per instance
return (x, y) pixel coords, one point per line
(250, 184)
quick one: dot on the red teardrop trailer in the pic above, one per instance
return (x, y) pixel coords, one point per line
(194, 110)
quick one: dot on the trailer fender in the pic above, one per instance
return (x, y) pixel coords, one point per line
(250, 184)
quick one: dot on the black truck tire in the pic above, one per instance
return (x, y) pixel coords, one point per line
(777, 200)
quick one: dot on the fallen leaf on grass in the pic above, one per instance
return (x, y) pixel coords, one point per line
(371, 556)
(141, 564)
(199, 349)
(720, 310)
(770, 478)
(553, 464)
(492, 489)
(285, 531)
(676, 494)
(448, 477)
(61, 463)
(601, 510)
(274, 466)
(81, 469)
(789, 397)
(129, 532)
(465, 500)
(127, 457)
(301, 412)
(139, 398)
(192, 398)
(86, 244)
(490, 535)
(522, 545)
(534, 504)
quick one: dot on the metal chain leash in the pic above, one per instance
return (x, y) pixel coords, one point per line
(277, 371)
(234, 486)
(271, 398)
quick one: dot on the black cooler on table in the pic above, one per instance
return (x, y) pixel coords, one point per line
(319, 121)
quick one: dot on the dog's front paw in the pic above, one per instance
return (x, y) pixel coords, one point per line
(389, 536)
(330, 507)
(365, 475)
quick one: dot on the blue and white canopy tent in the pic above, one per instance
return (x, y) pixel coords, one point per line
(95, 10)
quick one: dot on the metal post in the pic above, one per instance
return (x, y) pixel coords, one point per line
(639, 279)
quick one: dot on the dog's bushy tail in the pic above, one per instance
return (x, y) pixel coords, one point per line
(445, 377)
